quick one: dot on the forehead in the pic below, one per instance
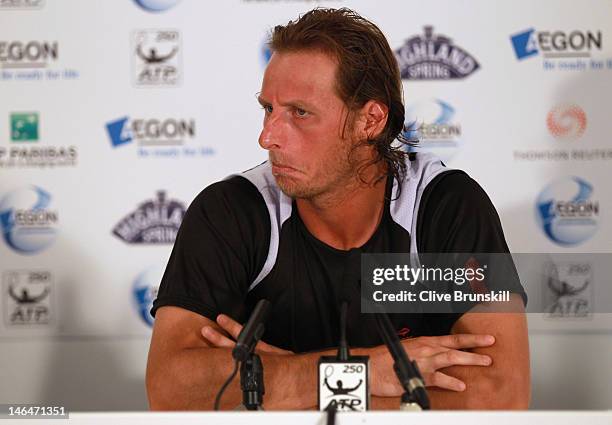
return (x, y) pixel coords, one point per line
(308, 75)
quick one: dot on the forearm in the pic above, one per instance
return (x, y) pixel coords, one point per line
(477, 396)
(195, 375)
(484, 390)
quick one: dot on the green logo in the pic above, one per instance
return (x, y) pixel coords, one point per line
(24, 127)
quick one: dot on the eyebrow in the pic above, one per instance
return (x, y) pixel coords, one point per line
(295, 103)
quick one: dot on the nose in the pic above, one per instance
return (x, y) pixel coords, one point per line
(273, 132)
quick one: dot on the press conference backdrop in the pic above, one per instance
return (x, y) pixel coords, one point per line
(115, 114)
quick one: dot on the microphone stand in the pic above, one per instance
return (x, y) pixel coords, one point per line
(415, 396)
(252, 382)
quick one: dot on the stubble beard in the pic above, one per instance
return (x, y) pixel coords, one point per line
(334, 176)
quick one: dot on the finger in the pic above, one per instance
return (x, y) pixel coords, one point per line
(216, 338)
(441, 380)
(456, 357)
(459, 341)
(230, 325)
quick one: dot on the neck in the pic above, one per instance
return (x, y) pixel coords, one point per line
(349, 218)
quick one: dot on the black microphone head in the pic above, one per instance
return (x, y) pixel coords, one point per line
(252, 331)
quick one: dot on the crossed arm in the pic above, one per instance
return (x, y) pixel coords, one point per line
(483, 364)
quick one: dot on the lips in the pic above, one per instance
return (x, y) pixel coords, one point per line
(281, 166)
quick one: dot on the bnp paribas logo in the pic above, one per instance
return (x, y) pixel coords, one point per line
(24, 126)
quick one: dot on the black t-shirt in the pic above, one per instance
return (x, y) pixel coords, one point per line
(223, 244)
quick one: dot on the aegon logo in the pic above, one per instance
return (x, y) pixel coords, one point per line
(158, 132)
(567, 212)
(556, 44)
(31, 54)
(577, 209)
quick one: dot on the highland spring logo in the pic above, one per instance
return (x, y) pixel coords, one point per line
(434, 57)
(154, 221)
(566, 211)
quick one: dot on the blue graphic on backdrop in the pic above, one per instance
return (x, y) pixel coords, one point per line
(566, 212)
(433, 123)
(28, 224)
(524, 44)
(266, 52)
(156, 5)
(144, 292)
(119, 132)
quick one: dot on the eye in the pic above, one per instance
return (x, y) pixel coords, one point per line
(267, 108)
(300, 112)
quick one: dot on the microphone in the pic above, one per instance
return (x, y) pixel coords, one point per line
(344, 379)
(251, 332)
(407, 372)
(249, 363)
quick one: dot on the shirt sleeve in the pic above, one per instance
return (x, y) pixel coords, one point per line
(457, 216)
(220, 248)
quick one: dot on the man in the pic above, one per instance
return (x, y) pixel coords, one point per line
(334, 181)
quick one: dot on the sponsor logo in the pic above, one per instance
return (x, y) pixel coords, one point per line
(567, 212)
(568, 290)
(434, 125)
(343, 386)
(156, 137)
(156, 5)
(28, 223)
(157, 58)
(556, 44)
(24, 127)
(566, 122)
(32, 60)
(434, 57)
(155, 221)
(28, 54)
(562, 50)
(21, 4)
(144, 292)
(150, 132)
(266, 52)
(27, 296)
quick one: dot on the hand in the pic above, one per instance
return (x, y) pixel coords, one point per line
(431, 354)
(217, 339)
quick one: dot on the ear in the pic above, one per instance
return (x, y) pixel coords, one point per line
(373, 116)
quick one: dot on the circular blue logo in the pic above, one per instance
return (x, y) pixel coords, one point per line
(434, 124)
(566, 211)
(144, 291)
(28, 224)
(156, 5)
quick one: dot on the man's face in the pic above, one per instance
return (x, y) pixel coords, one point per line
(303, 123)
